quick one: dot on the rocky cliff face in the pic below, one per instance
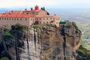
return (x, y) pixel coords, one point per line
(59, 43)
(47, 42)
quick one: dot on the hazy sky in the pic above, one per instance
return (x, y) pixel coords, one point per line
(47, 3)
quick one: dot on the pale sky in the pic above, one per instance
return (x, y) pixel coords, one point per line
(47, 3)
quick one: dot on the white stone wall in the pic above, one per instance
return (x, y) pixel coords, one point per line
(10, 22)
(48, 19)
(28, 21)
(41, 12)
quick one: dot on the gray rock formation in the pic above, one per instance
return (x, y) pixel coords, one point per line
(56, 46)
(47, 42)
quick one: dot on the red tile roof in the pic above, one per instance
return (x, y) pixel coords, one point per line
(16, 14)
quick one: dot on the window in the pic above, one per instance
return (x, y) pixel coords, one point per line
(12, 18)
(9, 18)
(2, 18)
(6, 18)
(17, 18)
(20, 18)
(25, 18)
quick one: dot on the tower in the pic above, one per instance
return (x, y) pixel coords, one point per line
(36, 7)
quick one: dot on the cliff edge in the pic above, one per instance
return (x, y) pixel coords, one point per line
(59, 43)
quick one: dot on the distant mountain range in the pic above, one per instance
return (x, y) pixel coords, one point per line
(80, 15)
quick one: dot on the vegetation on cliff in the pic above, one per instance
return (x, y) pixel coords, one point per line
(83, 53)
(11, 40)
